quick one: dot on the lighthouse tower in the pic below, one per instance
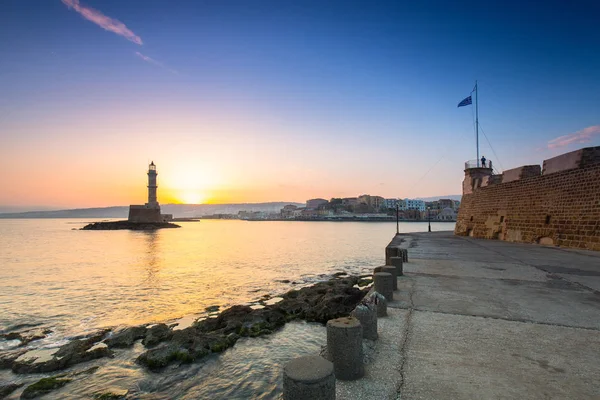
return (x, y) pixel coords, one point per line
(152, 203)
(149, 212)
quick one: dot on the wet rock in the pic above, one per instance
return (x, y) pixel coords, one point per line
(27, 336)
(134, 226)
(111, 394)
(8, 388)
(44, 386)
(126, 337)
(364, 282)
(8, 357)
(320, 302)
(156, 334)
(212, 308)
(74, 352)
(186, 346)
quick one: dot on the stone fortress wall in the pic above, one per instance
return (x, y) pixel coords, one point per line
(558, 204)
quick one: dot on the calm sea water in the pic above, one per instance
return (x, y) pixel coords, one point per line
(74, 282)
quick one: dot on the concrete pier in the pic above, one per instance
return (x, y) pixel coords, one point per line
(486, 319)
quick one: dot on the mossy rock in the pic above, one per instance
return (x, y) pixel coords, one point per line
(44, 386)
(364, 282)
(113, 394)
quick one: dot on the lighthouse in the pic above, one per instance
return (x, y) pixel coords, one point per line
(149, 212)
(152, 203)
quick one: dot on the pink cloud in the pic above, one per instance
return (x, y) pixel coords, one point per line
(582, 136)
(103, 21)
(154, 62)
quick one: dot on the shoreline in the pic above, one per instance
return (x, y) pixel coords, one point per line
(189, 339)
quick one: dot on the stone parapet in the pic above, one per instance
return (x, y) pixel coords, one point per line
(560, 207)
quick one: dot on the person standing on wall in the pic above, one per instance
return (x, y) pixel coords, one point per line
(483, 161)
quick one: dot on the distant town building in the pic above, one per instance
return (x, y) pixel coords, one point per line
(391, 203)
(447, 214)
(372, 201)
(149, 212)
(287, 212)
(349, 201)
(412, 204)
(315, 203)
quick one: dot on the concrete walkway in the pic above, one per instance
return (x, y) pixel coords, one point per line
(479, 319)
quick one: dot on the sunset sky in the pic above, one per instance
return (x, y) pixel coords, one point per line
(253, 100)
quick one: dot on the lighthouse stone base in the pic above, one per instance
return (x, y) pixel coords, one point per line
(143, 213)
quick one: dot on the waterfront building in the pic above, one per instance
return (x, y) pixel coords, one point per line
(390, 203)
(413, 204)
(315, 203)
(372, 201)
(349, 201)
(287, 212)
(447, 214)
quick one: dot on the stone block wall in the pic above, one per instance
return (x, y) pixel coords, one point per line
(558, 208)
(140, 213)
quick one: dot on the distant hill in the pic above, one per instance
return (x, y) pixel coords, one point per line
(178, 210)
(448, 196)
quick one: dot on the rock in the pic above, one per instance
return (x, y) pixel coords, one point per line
(134, 226)
(74, 352)
(156, 334)
(8, 357)
(126, 337)
(364, 282)
(27, 336)
(212, 308)
(8, 388)
(111, 394)
(44, 386)
(320, 302)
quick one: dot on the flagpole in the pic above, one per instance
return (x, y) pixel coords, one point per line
(477, 120)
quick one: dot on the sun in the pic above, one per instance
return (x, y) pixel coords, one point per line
(192, 197)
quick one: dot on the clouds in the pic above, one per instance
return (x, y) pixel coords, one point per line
(154, 62)
(103, 21)
(582, 136)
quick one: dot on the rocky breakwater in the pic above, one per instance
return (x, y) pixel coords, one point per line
(319, 303)
(134, 226)
(166, 344)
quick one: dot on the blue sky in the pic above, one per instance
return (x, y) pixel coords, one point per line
(285, 100)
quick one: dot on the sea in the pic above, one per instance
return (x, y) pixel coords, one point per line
(71, 282)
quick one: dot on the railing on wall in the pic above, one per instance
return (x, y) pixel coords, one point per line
(477, 164)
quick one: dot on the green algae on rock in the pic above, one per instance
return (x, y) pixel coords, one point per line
(44, 386)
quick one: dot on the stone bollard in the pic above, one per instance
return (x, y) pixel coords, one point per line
(391, 252)
(377, 269)
(384, 284)
(367, 316)
(380, 303)
(344, 347)
(307, 378)
(397, 262)
(392, 270)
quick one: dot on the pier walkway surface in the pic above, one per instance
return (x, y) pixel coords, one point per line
(487, 319)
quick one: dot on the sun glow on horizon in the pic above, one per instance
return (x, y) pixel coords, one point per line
(191, 197)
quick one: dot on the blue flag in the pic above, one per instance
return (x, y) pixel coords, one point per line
(465, 102)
